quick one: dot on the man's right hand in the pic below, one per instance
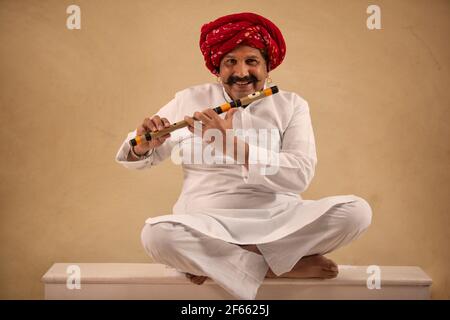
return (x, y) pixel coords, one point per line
(151, 124)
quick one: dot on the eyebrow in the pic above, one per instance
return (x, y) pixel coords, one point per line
(248, 57)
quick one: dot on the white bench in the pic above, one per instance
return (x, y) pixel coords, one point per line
(160, 282)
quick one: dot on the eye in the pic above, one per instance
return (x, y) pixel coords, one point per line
(252, 61)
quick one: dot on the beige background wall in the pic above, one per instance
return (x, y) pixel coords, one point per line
(379, 102)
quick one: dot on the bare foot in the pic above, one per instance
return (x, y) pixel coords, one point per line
(196, 279)
(315, 266)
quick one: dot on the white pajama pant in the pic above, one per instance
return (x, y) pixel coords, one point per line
(239, 271)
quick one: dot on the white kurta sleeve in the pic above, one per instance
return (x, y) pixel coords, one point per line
(290, 169)
(157, 154)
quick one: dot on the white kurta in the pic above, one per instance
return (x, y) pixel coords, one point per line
(227, 201)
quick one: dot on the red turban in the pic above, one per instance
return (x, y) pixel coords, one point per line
(221, 36)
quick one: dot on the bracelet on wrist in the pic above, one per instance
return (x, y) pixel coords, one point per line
(141, 156)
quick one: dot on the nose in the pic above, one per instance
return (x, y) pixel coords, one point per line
(241, 70)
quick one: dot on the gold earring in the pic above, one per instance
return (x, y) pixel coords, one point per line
(218, 80)
(269, 80)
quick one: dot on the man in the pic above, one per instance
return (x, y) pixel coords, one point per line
(239, 223)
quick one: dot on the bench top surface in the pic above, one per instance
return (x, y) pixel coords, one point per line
(154, 273)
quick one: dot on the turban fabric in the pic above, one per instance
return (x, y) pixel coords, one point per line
(221, 36)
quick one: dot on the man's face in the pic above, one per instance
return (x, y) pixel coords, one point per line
(243, 71)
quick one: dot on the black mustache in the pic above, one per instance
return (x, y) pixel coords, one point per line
(233, 79)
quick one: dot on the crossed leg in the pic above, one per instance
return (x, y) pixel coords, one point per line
(314, 266)
(340, 225)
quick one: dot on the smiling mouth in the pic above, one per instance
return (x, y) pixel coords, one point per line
(243, 84)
